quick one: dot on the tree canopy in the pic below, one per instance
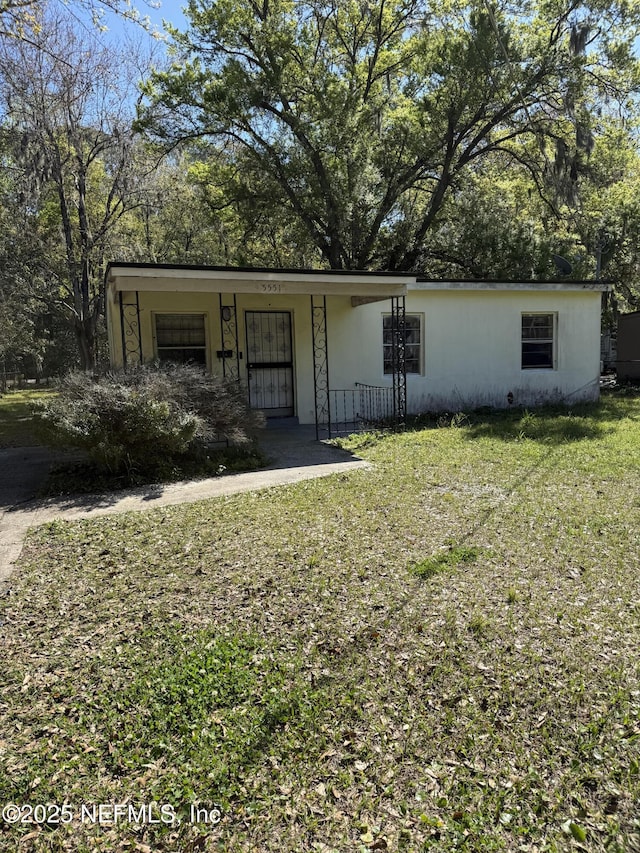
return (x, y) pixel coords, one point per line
(77, 165)
(360, 119)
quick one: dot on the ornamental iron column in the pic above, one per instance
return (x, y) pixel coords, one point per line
(230, 353)
(398, 333)
(320, 363)
(131, 331)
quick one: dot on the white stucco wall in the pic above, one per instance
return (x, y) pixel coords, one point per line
(471, 342)
(472, 348)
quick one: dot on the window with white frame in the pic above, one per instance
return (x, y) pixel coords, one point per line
(538, 341)
(413, 343)
(181, 338)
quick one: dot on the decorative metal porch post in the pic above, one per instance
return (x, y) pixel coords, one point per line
(320, 363)
(398, 330)
(131, 331)
(229, 340)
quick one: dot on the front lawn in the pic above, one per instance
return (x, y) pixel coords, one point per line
(438, 653)
(18, 427)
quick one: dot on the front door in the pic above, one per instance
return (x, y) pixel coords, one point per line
(270, 362)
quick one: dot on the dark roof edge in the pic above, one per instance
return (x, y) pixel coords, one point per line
(578, 281)
(283, 270)
(306, 270)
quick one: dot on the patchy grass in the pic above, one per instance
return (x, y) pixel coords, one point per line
(18, 426)
(274, 653)
(451, 558)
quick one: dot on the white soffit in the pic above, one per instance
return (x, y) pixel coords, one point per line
(202, 280)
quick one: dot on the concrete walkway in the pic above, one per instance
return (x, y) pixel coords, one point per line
(294, 455)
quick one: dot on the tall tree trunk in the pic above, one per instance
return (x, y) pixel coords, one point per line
(86, 340)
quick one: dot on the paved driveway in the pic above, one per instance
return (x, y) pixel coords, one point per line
(293, 452)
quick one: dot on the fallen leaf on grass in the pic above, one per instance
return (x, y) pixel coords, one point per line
(575, 830)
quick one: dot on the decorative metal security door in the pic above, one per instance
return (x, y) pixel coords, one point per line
(270, 362)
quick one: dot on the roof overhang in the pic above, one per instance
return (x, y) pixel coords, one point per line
(178, 279)
(531, 286)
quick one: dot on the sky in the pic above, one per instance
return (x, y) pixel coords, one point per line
(170, 10)
(119, 29)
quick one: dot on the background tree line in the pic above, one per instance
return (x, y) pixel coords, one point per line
(460, 139)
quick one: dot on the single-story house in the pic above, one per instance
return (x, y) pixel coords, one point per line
(339, 348)
(628, 347)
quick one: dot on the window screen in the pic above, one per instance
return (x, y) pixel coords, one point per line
(413, 343)
(181, 338)
(538, 341)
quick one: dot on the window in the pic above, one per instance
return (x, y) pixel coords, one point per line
(413, 343)
(538, 341)
(181, 338)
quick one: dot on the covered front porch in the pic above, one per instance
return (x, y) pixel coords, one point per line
(296, 340)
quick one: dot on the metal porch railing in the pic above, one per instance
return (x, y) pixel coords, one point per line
(359, 409)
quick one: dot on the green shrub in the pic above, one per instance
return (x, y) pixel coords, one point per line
(148, 416)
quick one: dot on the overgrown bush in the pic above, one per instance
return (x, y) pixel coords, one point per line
(147, 417)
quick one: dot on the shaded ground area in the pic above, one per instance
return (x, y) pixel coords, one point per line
(293, 455)
(17, 426)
